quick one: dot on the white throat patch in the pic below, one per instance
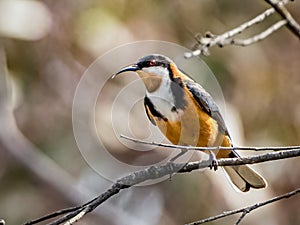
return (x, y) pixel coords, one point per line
(164, 101)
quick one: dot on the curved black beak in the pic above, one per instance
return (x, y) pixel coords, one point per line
(133, 67)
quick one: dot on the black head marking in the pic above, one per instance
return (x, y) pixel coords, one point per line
(154, 60)
(176, 82)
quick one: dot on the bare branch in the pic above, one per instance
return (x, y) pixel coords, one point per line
(209, 40)
(285, 14)
(192, 148)
(247, 209)
(271, 156)
(75, 218)
(56, 213)
(159, 171)
(256, 38)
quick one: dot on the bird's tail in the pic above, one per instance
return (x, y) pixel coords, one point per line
(242, 176)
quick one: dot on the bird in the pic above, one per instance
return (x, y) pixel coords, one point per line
(187, 114)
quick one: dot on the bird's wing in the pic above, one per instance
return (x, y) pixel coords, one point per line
(206, 102)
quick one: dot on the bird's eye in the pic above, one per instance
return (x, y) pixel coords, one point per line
(152, 63)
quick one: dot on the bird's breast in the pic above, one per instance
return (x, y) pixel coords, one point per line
(166, 108)
(164, 101)
(188, 126)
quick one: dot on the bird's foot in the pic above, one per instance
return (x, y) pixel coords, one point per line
(213, 161)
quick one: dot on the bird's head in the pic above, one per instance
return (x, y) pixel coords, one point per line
(153, 69)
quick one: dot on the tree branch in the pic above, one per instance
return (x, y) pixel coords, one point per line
(193, 148)
(256, 38)
(247, 209)
(285, 14)
(209, 40)
(154, 172)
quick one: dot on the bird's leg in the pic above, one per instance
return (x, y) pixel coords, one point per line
(183, 151)
(213, 160)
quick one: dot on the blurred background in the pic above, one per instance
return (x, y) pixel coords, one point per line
(45, 47)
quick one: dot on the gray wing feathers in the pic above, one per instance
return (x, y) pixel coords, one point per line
(207, 103)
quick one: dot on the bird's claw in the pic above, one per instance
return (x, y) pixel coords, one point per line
(213, 161)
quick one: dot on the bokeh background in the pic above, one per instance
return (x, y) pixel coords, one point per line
(47, 45)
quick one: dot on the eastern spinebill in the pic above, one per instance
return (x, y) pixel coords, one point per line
(187, 114)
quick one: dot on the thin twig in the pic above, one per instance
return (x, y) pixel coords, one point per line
(254, 159)
(209, 40)
(247, 209)
(53, 215)
(158, 171)
(75, 218)
(229, 34)
(256, 38)
(285, 14)
(57, 213)
(245, 212)
(192, 148)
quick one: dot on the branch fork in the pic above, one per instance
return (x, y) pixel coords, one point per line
(71, 215)
(228, 38)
